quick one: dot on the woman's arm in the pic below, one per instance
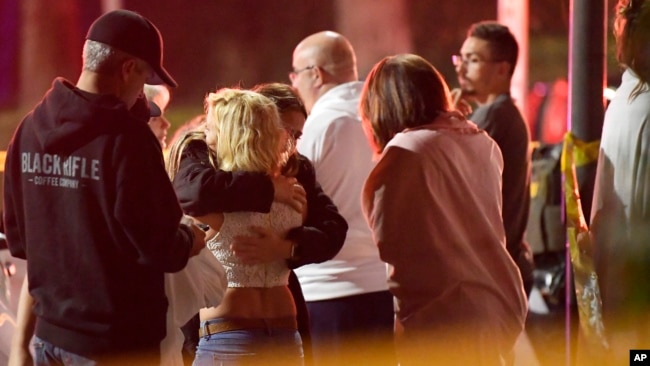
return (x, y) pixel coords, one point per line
(202, 189)
(393, 189)
(213, 220)
(324, 230)
(318, 240)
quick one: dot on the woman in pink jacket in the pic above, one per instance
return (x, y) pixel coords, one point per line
(433, 202)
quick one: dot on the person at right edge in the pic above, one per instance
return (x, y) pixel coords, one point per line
(484, 67)
(620, 213)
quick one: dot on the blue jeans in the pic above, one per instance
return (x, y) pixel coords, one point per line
(47, 354)
(250, 347)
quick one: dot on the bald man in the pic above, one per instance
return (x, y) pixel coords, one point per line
(348, 296)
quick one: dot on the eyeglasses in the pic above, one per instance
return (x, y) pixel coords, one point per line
(458, 60)
(295, 72)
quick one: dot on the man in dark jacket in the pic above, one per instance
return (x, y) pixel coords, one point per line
(89, 205)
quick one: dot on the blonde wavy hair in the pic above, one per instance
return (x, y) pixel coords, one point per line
(250, 136)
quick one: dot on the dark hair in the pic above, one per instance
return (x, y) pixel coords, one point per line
(632, 33)
(284, 96)
(401, 91)
(503, 45)
(286, 99)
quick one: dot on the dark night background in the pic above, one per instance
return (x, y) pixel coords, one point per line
(215, 43)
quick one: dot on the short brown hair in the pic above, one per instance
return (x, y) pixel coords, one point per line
(401, 91)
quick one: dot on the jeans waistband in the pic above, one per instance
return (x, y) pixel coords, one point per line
(214, 326)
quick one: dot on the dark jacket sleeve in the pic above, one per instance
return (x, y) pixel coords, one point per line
(324, 231)
(146, 207)
(202, 189)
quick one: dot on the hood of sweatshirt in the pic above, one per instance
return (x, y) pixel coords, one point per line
(69, 117)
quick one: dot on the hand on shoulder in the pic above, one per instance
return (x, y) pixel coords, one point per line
(288, 191)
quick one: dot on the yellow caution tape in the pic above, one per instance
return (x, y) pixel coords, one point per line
(578, 153)
(583, 152)
(534, 189)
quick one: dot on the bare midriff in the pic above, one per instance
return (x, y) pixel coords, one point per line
(253, 303)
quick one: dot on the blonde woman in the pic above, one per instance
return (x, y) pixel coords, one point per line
(256, 321)
(202, 189)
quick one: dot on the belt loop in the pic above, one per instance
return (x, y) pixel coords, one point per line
(206, 331)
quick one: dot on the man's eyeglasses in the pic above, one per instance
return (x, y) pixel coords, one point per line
(458, 60)
(295, 72)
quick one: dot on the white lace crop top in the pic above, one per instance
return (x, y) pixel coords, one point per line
(280, 219)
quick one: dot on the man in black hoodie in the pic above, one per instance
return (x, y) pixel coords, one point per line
(88, 203)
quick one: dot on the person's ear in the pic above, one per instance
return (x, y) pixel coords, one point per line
(320, 76)
(504, 68)
(128, 68)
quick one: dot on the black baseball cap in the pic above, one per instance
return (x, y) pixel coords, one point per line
(134, 34)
